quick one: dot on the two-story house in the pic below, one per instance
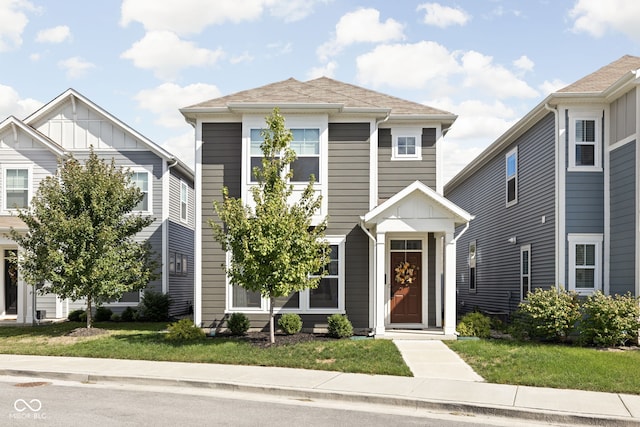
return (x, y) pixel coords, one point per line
(71, 124)
(556, 197)
(377, 163)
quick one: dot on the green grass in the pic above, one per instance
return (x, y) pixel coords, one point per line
(548, 365)
(145, 341)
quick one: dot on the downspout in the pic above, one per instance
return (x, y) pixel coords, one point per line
(165, 225)
(556, 132)
(373, 276)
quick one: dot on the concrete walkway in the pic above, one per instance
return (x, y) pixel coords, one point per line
(433, 359)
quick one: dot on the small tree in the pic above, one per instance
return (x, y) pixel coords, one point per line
(80, 234)
(274, 249)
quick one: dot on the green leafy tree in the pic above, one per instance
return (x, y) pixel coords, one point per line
(274, 248)
(80, 233)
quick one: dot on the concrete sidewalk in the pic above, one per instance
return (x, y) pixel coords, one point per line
(438, 394)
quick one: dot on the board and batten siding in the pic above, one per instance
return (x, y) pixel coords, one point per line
(531, 221)
(180, 289)
(394, 175)
(623, 117)
(349, 200)
(623, 219)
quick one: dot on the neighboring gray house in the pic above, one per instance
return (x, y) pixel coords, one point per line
(29, 151)
(377, 160)
(556, 197)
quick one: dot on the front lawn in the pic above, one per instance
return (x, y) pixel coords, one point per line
(556, 366)
(145, 341)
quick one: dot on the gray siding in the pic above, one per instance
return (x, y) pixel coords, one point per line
(221, 166)
(483, 195)
(584, 202)
(623, 192)
(348, 200)
(394, 175)
(180, 289)
(623, 117)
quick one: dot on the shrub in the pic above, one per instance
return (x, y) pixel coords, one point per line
(475, 324)
(129, 314)
(238, 324)
(290, 323)
(103, 314)
(154, 306)
(75, 316)
(547, 315)
(184, 330)
(115, 317)
(609, 321)
(339, 326)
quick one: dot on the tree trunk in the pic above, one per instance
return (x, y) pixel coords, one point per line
(89, 319)
(272, 333)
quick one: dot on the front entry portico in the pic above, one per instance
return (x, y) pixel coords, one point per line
(413, 273)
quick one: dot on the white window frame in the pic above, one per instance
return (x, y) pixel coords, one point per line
(17, 166)
(512, 152)
(147, 170)
(523, 249)
(473, 266)
(397, 133)
(184, 202)
(585, 239)
(304, 296)
(596, 116)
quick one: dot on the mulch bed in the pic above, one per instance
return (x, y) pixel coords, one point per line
(87, 332)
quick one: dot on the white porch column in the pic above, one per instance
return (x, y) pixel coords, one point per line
(449, 284)
(25, 302)
(439, 268)
(380, 284)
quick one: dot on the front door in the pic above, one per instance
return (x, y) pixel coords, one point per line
(10, 282)
(406, 287)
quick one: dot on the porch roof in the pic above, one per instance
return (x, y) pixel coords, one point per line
(8, 221)
(460, 216)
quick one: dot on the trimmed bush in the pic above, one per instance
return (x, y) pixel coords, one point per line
(115, 317)
(128, 315)
(475, 324)
(184, 330)
(609, 321)
(103, 314)
(154, 306)
(75, 316)
(339, 326)
(238, 324)
(290, 323)
(547, 315)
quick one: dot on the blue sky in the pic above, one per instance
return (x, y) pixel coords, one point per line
(488, 61)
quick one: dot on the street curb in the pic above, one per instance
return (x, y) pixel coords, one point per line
(312, 394)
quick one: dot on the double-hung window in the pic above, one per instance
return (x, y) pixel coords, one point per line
(141, 179)
(16, 194)
(306, 144)
(585, 263)
(473, 257)
(511, 172)
(585, 137)
(525, 271)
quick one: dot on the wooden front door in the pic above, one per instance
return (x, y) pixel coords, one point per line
(406, 287)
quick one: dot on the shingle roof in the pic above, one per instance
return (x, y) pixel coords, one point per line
(603, 78)
(322, 90)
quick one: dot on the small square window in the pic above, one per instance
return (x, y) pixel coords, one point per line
(407, 144)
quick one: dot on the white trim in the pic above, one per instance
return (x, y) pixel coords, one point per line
(473, 243)
(408, 132)
(439, 277)
(30, 190)
(373, 164)
(637, 202)
(197, 261)
(185, 187)
(561, 178)
(596, 116)
(512, 152)
(524, 248)
(148, 169)
(607, 202)
(618, 144)
(595, 239)
(166, 188)
(439, 159)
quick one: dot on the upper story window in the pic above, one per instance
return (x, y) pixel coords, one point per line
(407, 144)
(306, 144)
(141, 179)
(585, 136)
(184, 201)
(511, 169)
(585, 263)
(16, 194)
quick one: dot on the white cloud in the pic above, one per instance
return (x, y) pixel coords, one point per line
(327, 70)
(12, 105)
(13, 21)
(548, 87)
(193, 16)
(165, 54)
(443, 16)
(411, 66)
(481, 73)
(595, 17)
(165, 100)
(279, 48)
(54, 35)
(182, 146)
(361, 26)
(244, 57)
(75, 67)
(524, 63)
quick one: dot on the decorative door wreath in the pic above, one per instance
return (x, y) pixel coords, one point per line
(406, 273)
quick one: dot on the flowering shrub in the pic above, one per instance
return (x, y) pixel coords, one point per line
(609, 321)
(546, 315)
